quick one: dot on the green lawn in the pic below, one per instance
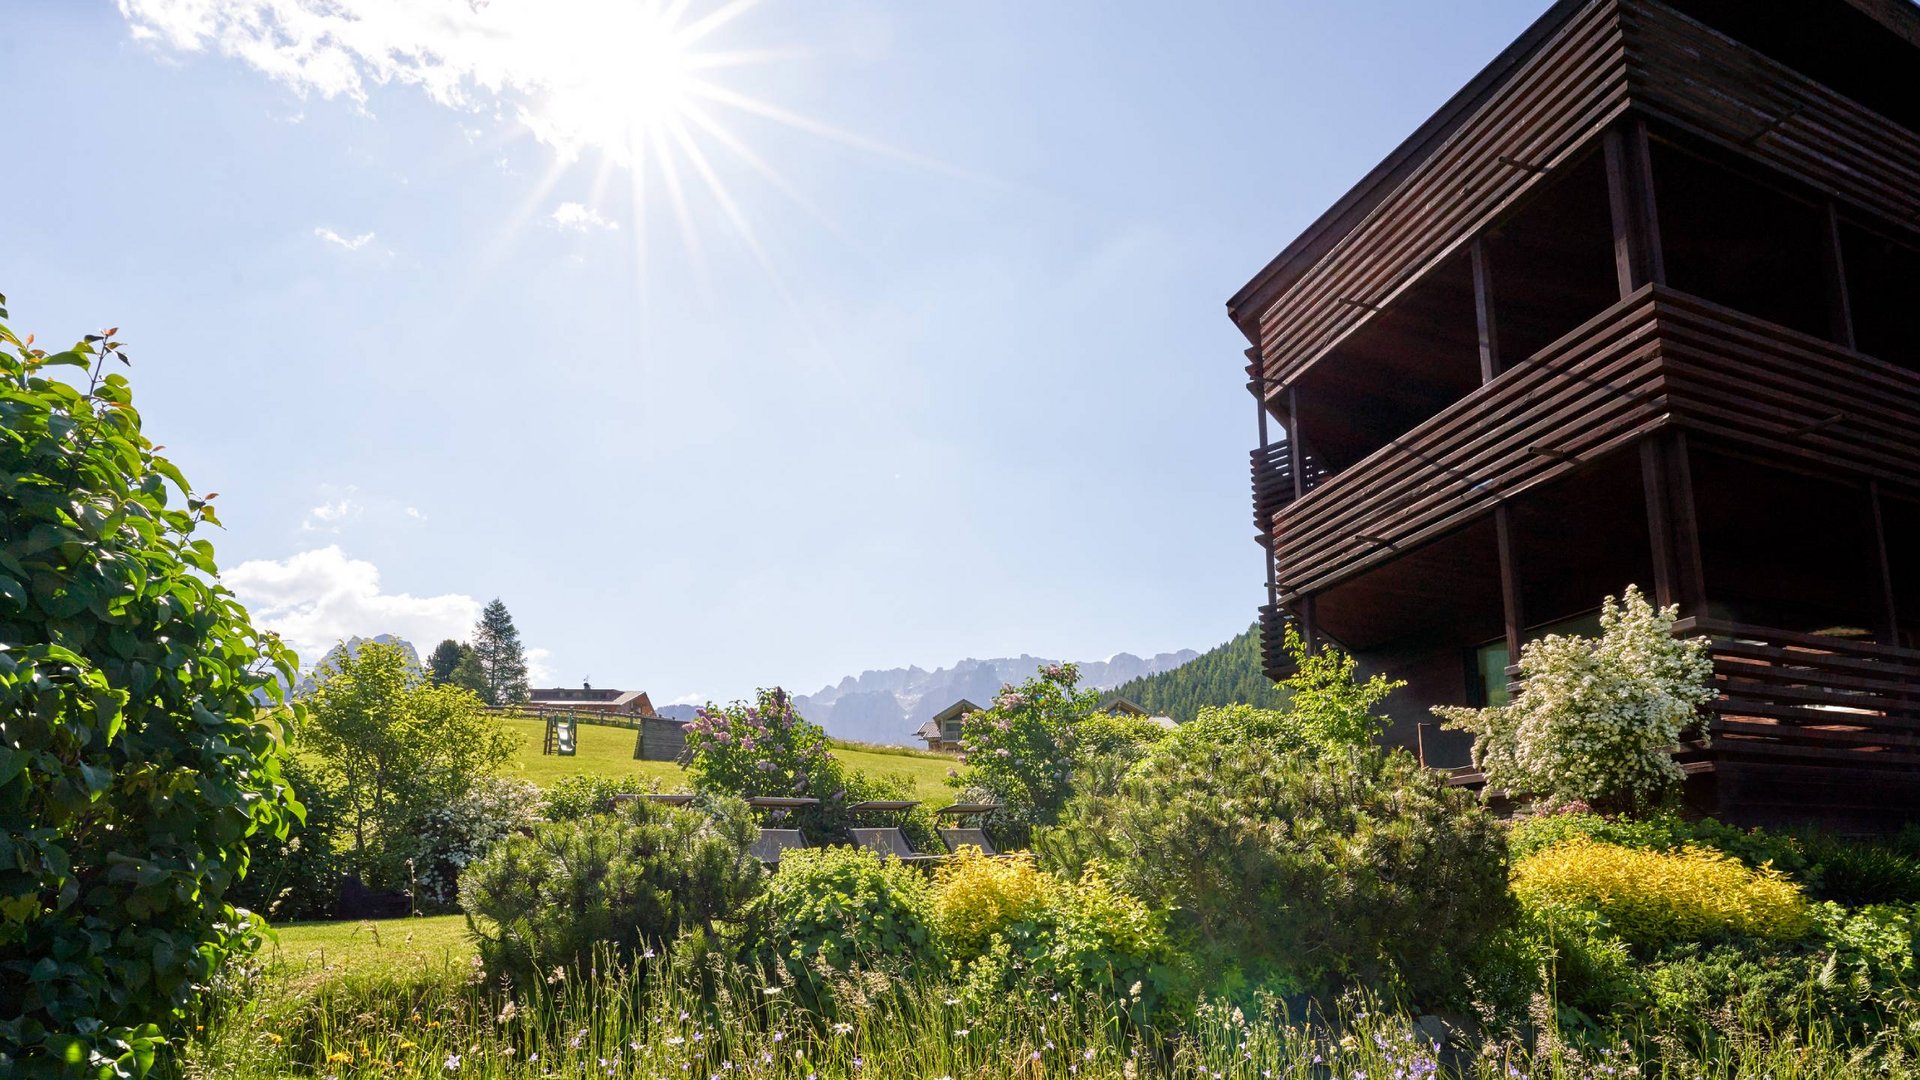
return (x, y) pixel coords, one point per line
(371, 946)
(608, 751)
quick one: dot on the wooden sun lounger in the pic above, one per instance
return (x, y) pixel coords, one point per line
(770, 843)
(955, 839)
(890, 843)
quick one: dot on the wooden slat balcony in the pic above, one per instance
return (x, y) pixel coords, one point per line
(1693, 76)
(1593, 390)
(1658, 358)
(1551, 105)
(1792, 697)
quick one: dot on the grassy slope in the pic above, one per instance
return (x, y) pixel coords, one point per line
(372, 946)
(608, 751)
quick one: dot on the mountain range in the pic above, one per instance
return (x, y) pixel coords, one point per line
(886, 706)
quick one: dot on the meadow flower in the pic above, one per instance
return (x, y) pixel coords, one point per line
(452, 1063)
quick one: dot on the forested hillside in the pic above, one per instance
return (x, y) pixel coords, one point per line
(1224, 675)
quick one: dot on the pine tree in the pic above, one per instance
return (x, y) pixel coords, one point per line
(1228, 674)
(446, 657)
(496, 647)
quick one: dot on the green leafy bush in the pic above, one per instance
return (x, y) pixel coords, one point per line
(834, 909)
(134, 759)
(976, 896)
(630, 881)
(296, 877)
(1120, 737)
(571, 798)
(1356, 867)
(1087, 940)
(1651, 898)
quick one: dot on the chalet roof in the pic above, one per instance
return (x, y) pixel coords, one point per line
(1115, 704)
(1897, 21)
(955, 711)
(928, 730)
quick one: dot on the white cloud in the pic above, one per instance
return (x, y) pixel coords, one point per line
(354, 243)
(578, 217)
(414, 513)
(328, 516)
(316, 598)
(690, 699)
(539, 671)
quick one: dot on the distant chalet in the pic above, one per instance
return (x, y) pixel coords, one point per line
(1639, 304)
(589, 699)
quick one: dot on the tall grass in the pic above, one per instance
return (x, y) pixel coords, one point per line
(655, 1022)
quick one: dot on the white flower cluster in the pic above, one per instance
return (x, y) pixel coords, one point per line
(1596, 720)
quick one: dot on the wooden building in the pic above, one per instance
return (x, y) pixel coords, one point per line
(591, 699)
(1639, 304)
(943, 731)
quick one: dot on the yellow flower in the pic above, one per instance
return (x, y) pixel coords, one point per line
(275, 1038)
(407, 1044)
(339, 1057)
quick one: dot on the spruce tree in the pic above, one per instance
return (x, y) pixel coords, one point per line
(496, 647)
(446, 657)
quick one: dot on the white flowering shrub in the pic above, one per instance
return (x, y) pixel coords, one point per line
(1596, 720)
(451, 837)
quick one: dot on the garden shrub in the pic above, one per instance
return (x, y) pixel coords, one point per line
(835, 909)
(571, 798)
(447, 839)
(297, 876)
(1356, 867)
(1596, 720)
(976, 896)
(1119, 737)
(1087, 940)
(135, 756)
(1859, 872)
(1650, 898)
(1020, 752)
(1867, 966)
(630, 881)
(1328, 710)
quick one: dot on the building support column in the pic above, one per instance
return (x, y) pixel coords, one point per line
(1678, 576)
(1516, 620)
(1483, 312)
(1637, 257)
(1886, 564)
(1833, 266)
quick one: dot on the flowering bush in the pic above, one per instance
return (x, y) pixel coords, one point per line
(1650, 898)
(448, 839)
(975, 897)
(834, 909)
(1084, 939)
(1596, 720)
(1020, 752)
(630, 882)
(761, 749)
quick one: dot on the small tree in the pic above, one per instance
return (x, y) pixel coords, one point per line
(398, 745)
(1022, 750)
(1596, 720)
(497, 650)
(1328, 706)
(135, 754)
(445, 658)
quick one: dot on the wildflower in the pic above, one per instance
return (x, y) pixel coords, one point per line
(648, 955)
(961, 1033)
(339, 1057)
(275, 1038)
(405, 1044)
(453, 1062)
(841, 1027)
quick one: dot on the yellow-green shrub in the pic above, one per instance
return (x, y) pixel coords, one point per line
(975, 896)
(1657, 897)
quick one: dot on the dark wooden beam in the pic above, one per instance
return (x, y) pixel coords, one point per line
(1293, 442)
(1309, 630)
(1886, 564)
(1483, 311)
(1516, 618)
(1688, 561)
(1653, 475)
(1833, 265)
(1637, 257)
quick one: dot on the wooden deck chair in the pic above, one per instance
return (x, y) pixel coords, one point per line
(955, 839)
(769, 844)
(890, 844)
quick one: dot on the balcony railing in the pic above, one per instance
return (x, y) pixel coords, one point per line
(1273, 486)
(1808, 698)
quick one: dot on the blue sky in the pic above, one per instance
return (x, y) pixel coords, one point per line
(945, 372)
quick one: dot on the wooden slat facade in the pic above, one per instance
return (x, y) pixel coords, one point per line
(1653, 372)
(1558, 101)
